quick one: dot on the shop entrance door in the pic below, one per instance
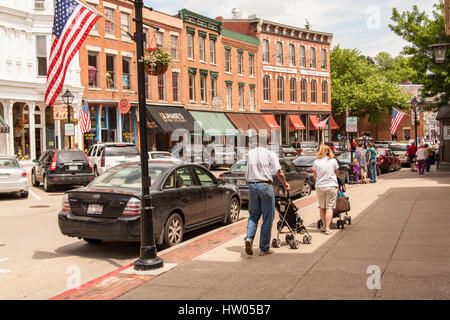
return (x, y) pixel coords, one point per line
(109, 135)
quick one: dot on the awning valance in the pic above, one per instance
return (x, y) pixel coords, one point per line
(166, 119)
(246, 121)
(295, 123)
(4, 128)
(214, 123)
(270, 119)
(313, 122)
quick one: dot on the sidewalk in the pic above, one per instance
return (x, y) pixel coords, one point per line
(399, 225)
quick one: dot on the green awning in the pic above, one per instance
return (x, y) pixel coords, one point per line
(214, 123)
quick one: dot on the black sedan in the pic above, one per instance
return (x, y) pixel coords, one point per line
(297, 180)
(185, 197)
(305, 164)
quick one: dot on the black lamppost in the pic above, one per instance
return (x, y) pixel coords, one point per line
(148, 258)
(67, 99)
(440, 52)
(414, 103)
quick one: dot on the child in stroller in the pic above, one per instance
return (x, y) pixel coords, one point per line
(289, 218)
(343, 217)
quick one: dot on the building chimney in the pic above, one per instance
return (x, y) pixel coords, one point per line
(236, 13)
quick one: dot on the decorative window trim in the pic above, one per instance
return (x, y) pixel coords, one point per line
(190, 30)
(109, 5)
(202, 33)
(94, 49)
(203, 72)
(228, 82)
(241, 84)
(123, 9)
(193, 70)
(214, 74)
(240, 51)
(252, 54)
(227, 48)
(213, 36)
(252, 85)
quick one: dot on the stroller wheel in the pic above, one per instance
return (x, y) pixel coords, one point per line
(338, 224)
(295, 244)
(349, 220)
(276, 243)
(307, 239)
(319, 224)
(289, 238)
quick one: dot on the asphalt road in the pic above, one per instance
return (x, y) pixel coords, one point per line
(38, 262)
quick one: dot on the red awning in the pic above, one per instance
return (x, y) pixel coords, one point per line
(295, 123)
(333, 124)
(313, 122)
(270, 119)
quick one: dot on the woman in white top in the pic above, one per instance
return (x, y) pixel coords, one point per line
(326, 170)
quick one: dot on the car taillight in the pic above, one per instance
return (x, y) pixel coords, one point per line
(24, 174)
(65, 204)
(310, 170)
(221, 176)
(133, 208)
(102, 162)
(89, 161)
(301, 150)
(53, 164)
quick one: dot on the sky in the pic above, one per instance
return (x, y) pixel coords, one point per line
(360, 24)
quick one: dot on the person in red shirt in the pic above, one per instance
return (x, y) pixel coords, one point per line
(411, 152)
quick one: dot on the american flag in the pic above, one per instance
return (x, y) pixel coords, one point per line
(397, 117)
(84, 120)
(71, 25)
(322, 124)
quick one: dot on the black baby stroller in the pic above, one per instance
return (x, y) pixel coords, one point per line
(340, 212)
(290, 219)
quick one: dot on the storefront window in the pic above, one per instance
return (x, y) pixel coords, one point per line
(21, 131)
(129, 126)
(90, 138)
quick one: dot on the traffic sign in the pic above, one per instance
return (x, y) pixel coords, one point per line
(351, 124)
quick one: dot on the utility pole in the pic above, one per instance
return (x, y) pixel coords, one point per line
(148, 258)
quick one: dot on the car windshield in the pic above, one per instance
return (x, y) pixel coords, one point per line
(161, 155)
(121, 151)
(308, 145)
(289, 148)
(381, 152)
(126, 177)
(398, 147)
(9, 163)
(304, 161)
(240, 166)
(69, 156)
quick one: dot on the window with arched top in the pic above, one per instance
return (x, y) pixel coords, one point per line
(293, 90)
(279, 53)
(280, 89)
(37, 115)
(313, 91)
(304, 90)
(312, 57)
(265, 50)
(266, 88)
(325, 92)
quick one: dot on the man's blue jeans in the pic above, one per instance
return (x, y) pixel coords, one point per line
(373, 170)
(261, 202)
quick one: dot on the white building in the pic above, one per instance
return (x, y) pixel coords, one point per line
(25, 40)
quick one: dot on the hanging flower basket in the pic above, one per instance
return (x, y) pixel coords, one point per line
(156, 61)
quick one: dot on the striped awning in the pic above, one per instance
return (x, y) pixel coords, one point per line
(4, 128)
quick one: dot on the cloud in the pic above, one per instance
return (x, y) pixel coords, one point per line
(360, 24)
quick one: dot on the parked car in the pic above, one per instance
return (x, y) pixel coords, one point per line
(109, 154)
(399, 149)
(305, 164)
(382, 144)
(62, 167)
(185, 197)
(219, 155)
(190, 153)
(288, 152)
(387, 160)
(307, 148)
(13, 177)
(162, 155)
(296, 179)
(335, 148)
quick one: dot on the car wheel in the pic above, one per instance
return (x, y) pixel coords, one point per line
(34, 181)
(96, 172)
(233, 211)
(92, 241)
(306, 189)
(378, 171)
(24, 194)
(47, 186)
(173, 230)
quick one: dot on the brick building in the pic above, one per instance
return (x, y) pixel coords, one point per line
(294, 77)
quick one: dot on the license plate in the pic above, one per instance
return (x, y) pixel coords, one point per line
(95, 209)
(288, 154)
(73, 168)
(241, 182)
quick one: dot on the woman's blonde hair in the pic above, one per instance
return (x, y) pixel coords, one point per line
(325, 151)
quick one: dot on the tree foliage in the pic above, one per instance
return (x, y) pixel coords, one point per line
(396, 69)
(421, 31)
(359, 85)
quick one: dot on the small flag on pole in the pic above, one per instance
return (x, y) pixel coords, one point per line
(71, 25)
(397, 117)
(84, 120)
(322, 124)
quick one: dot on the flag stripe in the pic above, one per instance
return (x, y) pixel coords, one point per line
(397, 117)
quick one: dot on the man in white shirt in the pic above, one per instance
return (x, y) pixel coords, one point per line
(262, 165)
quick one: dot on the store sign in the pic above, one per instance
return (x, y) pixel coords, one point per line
(172, 117)
(446, 132)
(314, 73)
(351, 124)
(69, 129)
(124, 106)
(59, 112)
(217, 102)
(152, 125)
(279, 69)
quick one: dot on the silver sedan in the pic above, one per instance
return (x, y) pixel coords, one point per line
(13, 178)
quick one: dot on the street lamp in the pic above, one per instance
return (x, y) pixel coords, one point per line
(67, 99)
(414, 103)
(440, 51)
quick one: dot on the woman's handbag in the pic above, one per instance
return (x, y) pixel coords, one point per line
(342, 204)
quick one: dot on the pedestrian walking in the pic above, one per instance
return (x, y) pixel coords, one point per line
(356, 170)
(326, 170)
(262, 165)
(361, 156)
(430, 157)
(421, 159)
(411, 152)
(372, 163)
